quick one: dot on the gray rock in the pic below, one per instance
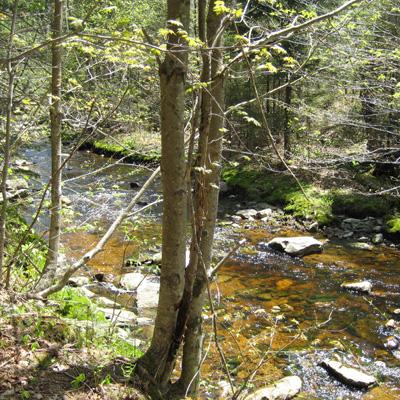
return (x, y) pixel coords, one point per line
(361, 246)
(377, 239)
(296, 246)
(119, 316)
(359, 225)
(391, 324)
(107, 303)
(236, 218)
(14, 195)
(266, 212)
(127, 298)
(361, 286)
(392, 343)
(78, 281)
(66, 201)
(347, 235)
(285, 388)
(147, 288)
(313, 227)
(348, 375)
(247, 214)
(15, 184)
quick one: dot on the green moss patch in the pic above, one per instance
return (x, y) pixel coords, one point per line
(318, 204)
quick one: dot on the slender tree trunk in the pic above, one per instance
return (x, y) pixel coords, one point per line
(207, 192)
(156, 361)
(287, 131)
(55, 132)
(7, 142)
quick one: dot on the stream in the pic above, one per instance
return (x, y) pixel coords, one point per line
(289, 312)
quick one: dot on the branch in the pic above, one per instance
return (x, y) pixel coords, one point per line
(99, 246)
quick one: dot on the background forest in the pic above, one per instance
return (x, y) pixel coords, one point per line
(152, 153)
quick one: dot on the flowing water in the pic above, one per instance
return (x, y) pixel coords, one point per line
(277, 315)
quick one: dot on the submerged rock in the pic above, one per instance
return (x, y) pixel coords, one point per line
(381, 393)
(348, 375)
(296, 246)
(361, 287)
(285, 388)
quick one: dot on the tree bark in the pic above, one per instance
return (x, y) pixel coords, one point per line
(56, 146)
(210, 149)
(173, 171)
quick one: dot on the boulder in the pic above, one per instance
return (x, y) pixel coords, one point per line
(127, 298)
(361, 286)
(147, 288)
(285, 388)
(247, 214)
(296, 246)
(348, 375)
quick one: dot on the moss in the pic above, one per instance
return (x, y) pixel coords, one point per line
(320, 205)
(259, 185)
(316, 206)
(393, 224)
(118, 151)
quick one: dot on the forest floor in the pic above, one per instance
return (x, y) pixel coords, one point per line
(41, 357)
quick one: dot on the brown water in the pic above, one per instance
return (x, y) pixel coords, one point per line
(276, 314)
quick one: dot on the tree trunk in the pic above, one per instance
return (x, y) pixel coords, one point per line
(55, 133)
(156, 361)
(287, 145)
(7, 143)
(210, 149)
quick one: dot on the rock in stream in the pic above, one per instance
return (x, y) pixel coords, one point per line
(348, 375)
(285, 388)
(296, 246)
